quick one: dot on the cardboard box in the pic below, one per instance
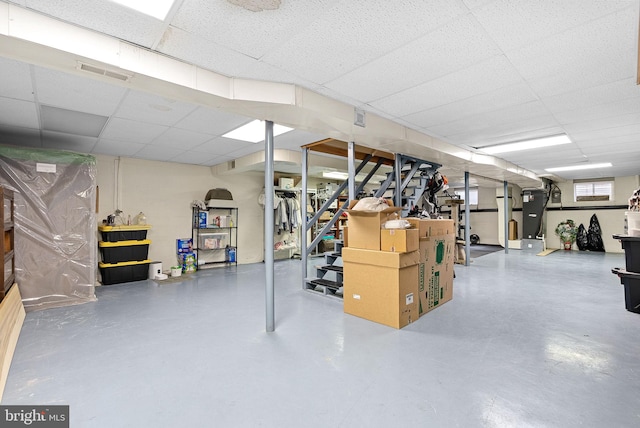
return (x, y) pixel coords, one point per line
(432, 227)
(285, 183)
(365, 226)
(399, 240)
(345, 236)
(381, 286)
(435, 273)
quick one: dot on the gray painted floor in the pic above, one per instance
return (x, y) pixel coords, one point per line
(527, 341)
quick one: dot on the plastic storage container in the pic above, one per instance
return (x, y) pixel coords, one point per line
(631, 247)
(212, 241)
(116, 273)
(124, 233)
(124, 251)
(631, 282)
(633, 223)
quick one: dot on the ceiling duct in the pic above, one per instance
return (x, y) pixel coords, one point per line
(103, 72)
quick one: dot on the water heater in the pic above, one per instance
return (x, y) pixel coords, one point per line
(533, 204)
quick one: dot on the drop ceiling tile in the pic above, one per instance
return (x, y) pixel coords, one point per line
(181, 138)
(604, 123)
(419, 61)
(601, 111)
(116, 148)
(484, 77)
(157, 153)
(332, 45)
(103, 16)
(204, 53)
(199, 158)
(579, 134)
(593, 96)
(153, 109)
(132, 131)
(71, 122)
(493, 119)
(514, 23)
(251, 33)
(211, 121)
(582, 57)
(224, 146)
(516, 131)
(62, 141)
(18, 113)
(72, 92)
(16, 80)
(519, 93)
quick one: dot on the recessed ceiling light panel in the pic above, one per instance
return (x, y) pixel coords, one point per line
(580, 167)
(526, 144)
(253, 132)
(155, 8)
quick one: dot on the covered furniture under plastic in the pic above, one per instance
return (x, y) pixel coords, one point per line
(55, 238)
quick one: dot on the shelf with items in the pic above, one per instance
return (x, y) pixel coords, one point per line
(215, 236)
(8, 249)
(124, 251)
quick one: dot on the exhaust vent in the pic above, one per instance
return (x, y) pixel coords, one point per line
(103, 72)
(231, 164)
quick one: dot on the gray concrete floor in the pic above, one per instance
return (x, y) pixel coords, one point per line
(527, 341)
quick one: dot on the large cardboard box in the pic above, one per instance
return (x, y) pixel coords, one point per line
(432, 227)
(381, 286)
(435, 274)
(399, 240)
(365, 226)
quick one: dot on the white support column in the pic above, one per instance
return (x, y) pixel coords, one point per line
(467, 225)
(268, 225)
(351, 168)
(305, 222)
(506, 218)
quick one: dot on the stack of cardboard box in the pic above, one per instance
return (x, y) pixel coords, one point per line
(394, 276)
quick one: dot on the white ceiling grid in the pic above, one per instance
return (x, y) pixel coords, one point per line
(469, 72)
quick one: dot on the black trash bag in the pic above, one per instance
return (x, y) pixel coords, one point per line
(594, 238)
(581, 238)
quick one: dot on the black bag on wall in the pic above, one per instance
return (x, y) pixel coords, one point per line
(581, 238)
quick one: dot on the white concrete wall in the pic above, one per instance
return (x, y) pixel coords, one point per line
(164, 192)
(611, 220)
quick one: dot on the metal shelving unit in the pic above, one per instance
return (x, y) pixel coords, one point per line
(8, 254)
(215, 236)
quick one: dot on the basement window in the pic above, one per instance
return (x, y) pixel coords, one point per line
(589, 191)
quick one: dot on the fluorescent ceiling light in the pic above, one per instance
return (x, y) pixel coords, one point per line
(155, 8)
(336, 175)
(526, 144)
(579, 167)
(253, 131)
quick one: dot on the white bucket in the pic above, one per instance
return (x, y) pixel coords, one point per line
(155, 269)
(176, 271)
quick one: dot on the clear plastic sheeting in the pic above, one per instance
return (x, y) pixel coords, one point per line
(55, 236)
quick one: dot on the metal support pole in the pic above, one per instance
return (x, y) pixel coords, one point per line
(506, 218)
(305, 223)
(268, 224)
(467, 224)
(398, 178)
(351, 168)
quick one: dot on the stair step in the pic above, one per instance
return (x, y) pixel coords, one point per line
(332, 285)
(331, 267)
